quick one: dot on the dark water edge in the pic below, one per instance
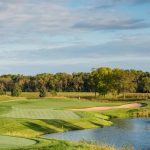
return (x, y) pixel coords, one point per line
(125, 132)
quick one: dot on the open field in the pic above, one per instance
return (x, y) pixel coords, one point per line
(30, 118)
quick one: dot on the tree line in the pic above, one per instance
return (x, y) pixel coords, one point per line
(103, 80)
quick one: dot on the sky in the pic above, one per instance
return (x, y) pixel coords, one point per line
(39, 36)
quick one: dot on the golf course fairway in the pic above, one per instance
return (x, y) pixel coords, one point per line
(14, 142)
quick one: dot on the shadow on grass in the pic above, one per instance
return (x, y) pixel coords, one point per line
(39, 128)
(62, 124)
(97, 124)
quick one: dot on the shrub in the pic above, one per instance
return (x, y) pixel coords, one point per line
(42, 91)
(16, 90)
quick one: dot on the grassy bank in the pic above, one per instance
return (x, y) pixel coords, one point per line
(126, 113)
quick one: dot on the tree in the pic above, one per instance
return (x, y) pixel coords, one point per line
(42, 91)
(2, 89)
(16, 90)
(102, 80)
(146, 84)
(127, 82)
(50, 85)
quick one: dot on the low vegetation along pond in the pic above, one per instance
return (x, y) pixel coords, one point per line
(124, 132)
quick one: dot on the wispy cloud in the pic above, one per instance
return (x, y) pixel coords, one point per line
(50, 16)
(112, 24)
(62, 33)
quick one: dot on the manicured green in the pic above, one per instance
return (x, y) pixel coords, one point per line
(58, 103)
(34, 117)
(40, 114)
(46, 144)
(14, 142)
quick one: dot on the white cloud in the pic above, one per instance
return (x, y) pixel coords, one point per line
(50, 32)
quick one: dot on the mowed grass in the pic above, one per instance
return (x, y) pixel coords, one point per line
(46, 144)
(46, 108)
(34, 117)
(40, 114)
(57, 103)
(14, 142)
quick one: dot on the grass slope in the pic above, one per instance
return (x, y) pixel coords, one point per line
(30, 118)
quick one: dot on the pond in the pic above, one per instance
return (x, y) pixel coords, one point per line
(124, 132)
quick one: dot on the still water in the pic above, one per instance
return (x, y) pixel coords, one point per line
(135, 132)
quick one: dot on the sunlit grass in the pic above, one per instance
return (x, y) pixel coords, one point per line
(14, 142)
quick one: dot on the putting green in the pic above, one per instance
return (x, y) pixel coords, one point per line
(13, 142)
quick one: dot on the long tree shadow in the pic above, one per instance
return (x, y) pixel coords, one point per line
(39, 128)
(62, 124)
(97, 124)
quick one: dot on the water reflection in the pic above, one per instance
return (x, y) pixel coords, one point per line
(134, 132)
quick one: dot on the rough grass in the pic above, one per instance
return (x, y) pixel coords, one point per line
(86, 95)
(118, 113)
(129, 112)
(14, 142)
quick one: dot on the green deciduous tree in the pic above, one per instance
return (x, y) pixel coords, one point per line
(102, 80)
(127, 82)
(16, 90)
(2, 89)
(42, 91)
(146, 84)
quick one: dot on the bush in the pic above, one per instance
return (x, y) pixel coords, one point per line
(16, 90)
(42, 92)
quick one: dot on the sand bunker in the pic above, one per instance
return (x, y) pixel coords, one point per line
(134, 105)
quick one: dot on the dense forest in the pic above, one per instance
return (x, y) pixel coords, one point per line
(103, 80)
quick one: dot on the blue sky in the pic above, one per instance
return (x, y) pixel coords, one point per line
(73, 35)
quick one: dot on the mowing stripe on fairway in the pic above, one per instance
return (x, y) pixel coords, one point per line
(40, 114)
